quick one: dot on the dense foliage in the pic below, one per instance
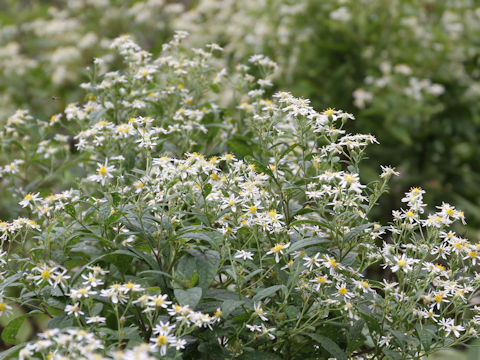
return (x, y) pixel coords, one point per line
(163, 198)
(167, 246)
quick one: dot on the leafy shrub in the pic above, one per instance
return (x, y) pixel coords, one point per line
(166, 246)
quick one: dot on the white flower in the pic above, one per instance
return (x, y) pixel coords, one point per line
(259, 311)
(278, 249)
(449, 326)
(403, 263)
(242, 254)
(74, 309)
(104, 172)
(95, 320)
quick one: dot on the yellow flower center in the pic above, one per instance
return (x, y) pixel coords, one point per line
(342, 290)
(329, 112)
(438, 298)
(277, 248)
(252, 209)
(472, 254)
(321, 280)
(402, 263)
(102, 171)
(45, 274)
(3, 306)
(349, 178)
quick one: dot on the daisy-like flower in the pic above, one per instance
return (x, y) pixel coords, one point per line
(179, 344)
(319, 281)
(277, 250)
(363, 285)
(161, 341)
(131, 287)
(163, 328)
(330, 263)
(83, 292)
(259, 311)
(114, 293)
(403, 263)
(104, 172)
(449, 326)
(245, 255)
(96, 320)
(5, 309)
(46, 274)
(74, 309)
(158, 301)
(29, 200)
(91, 280)
(310, 262)
(473, 255)
(342, 290)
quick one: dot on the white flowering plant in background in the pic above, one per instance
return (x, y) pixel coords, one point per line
(205, 217)
(407, 68)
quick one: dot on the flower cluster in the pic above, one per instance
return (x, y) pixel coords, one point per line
(200, 226)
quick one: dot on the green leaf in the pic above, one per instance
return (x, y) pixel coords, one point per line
(60, 322)
(330, 346)
(189, 297)
(372, 323)
(70, 210)
(12, 352)
(78, 273)
(322, 224)
(289, 149)
(306, 242)
(9, 334)
(474, 351)
(207, 265)
(266, 292)
(356, 231)
(229, 306)
(11, 281)
(392, 355)
(258, 355)
(241, 146)
(113, 218)
(207, 189)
